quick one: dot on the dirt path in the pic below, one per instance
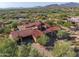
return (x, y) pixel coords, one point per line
(41, 49)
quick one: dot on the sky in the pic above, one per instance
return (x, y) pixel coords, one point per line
(25, 4)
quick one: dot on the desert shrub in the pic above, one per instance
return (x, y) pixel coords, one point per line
(65, 24)
(62, 34)
(43, 40)
(1, 30)
(60, 22)
(62, 49)
(14, 24)
(7, 48)
(26, 50)
(23, 50)
(7, 30)
(51, 23)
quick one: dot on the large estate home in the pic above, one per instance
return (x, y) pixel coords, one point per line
(32, 31)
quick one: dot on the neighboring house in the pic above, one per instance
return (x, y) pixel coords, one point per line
(19, 17)
(74, 20)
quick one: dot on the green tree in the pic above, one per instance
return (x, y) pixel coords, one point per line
(43, 40)
(62, 48)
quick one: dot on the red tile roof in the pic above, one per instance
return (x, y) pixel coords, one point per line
(25, 33)
(37, 33)
(51, 29)
(47, 25)
(29, 31)
(32, 24)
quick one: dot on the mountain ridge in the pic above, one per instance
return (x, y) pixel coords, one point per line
(70, 4)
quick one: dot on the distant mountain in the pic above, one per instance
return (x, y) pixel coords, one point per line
(71, 4)
(52, 5)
